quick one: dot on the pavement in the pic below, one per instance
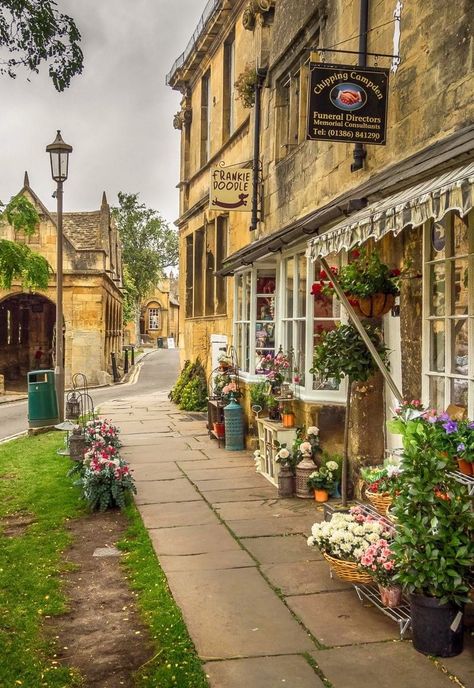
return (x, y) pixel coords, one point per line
(259, 605)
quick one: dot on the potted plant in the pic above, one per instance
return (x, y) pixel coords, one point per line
(380, 562)
(224, 361)
(286, 475)
(344, 539)
(463, 445)
(245, 86)
(258, 395)
(434, 542)
(322, 482)
(334, 462)
(342, 352)
(370, 285)
(381, 485)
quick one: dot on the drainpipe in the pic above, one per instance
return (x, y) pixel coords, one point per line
(256, 148)
(359, 152)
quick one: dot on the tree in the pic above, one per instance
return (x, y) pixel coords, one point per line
(35, 32)
(149, 246)
(17, 260)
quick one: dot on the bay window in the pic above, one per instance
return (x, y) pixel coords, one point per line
(449, 313)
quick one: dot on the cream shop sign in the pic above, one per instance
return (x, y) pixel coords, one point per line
(230, 188)
(347, 104)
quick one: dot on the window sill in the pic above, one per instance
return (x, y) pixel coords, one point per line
(327, 399)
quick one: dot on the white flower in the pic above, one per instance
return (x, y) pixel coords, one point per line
(393, 471)
(283, 453)
(332, 466)
(305, 447)
(313, 430)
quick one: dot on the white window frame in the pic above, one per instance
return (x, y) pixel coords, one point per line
(306, 392)
(154, 311)
(448, 318)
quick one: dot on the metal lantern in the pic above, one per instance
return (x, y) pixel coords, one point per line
(234, 426)
(68, 427)
(59, 157)
(73, 407)
(77, 444)
(303, 470)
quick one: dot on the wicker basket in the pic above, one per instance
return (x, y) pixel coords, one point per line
(348, 571)
(381, 502)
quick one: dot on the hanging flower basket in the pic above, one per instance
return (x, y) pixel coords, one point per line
(348, 571)
(372, 306)
(381, 501)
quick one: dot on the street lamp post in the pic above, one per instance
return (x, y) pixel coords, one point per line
(59, 157)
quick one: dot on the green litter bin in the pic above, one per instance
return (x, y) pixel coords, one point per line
(42, 399)
(159, 342)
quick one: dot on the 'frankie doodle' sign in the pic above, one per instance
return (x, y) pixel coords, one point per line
(347, 103)
(231, 188)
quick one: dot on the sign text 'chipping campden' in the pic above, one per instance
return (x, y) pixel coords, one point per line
(347, 103)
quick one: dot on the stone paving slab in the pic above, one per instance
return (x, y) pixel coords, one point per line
(234, 613)
(177, 514)
(156, 471)
(237, 495)
(224, 462)
(248, 481)
(302, 577)
(208, 561)
(380, 665)
(282, 549)
(339, 618)
(269, 508)
(178, 490)
(263, 672)
(271, 526)
(214, 452)
(463, 665)
(224, 473)
(171, 441)
(193, 539)
(155, 454)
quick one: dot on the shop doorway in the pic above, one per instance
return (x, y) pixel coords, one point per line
(26, 337)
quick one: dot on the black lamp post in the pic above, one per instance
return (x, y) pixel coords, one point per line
(59, 157)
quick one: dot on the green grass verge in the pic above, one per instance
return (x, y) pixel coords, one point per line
(175, 663)
(33, 482)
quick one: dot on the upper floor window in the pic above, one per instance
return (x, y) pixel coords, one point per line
(228, 98)
(206, 249)
(205, 117)
(449, 313)
(291, 108)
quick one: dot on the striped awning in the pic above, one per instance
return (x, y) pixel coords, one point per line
(430, 200)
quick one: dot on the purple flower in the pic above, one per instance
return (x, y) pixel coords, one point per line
(432, 419)
(471, 426)
(450, 427)
(461, 447)
(444, 416)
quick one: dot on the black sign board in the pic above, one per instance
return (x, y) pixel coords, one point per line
(347, 104)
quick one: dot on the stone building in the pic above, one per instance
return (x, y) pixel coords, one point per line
(410, 198)
(159, 315)
(92, 298)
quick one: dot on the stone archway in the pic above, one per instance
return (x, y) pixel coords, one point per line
(26, 336)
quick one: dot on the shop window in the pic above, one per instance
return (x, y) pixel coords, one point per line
(154, 318)
(221, 253)
(449, 321)
(295, 287)
(205, 117)
(210, 268)
(198, 284)
(189, 275)
(264, 330)
(243, 310)
(228, 100)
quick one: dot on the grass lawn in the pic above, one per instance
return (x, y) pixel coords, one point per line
(33, 484)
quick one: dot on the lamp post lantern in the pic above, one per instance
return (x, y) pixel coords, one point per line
(59, 157)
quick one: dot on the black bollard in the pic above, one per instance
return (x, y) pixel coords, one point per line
(114, 367)
(132, 350)
(125, 361)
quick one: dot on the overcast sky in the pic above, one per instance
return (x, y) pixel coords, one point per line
(117, 115)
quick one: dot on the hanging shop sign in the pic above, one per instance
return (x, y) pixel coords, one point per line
(347, 104)
(231, 188)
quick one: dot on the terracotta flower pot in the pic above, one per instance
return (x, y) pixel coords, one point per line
(373, 306)
(219, 429)
(321, 495)
(288, 420)
(391, 595)
(465, 467)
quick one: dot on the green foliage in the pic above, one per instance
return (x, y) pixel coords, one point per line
(149, 245)
(245, 86)
(434, 542)
(190, 390)
(175, 663)
(34, 32)
(342, 352)
(258, 394)
(32, 483)
(321, 479)
(17, 260)
(337, 458)
(366, 275)
(130, 297)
